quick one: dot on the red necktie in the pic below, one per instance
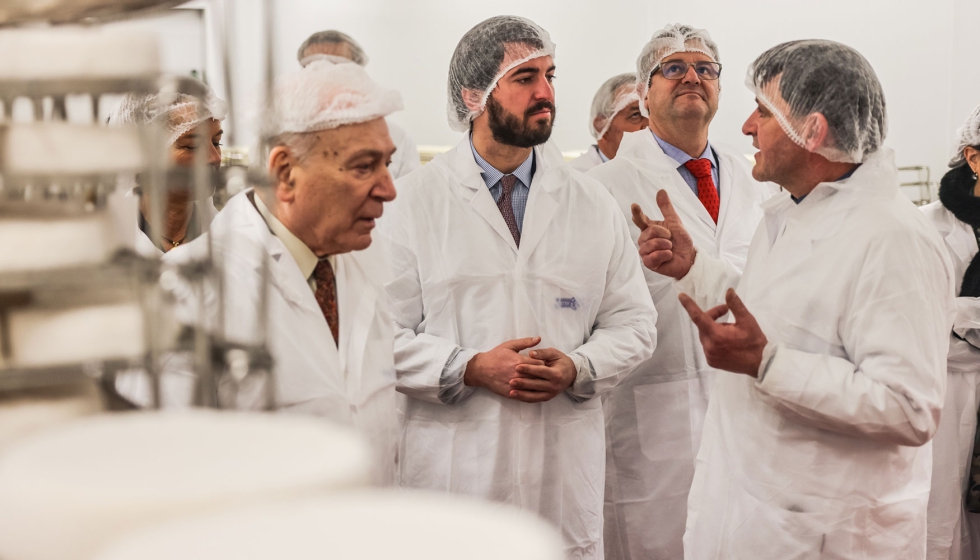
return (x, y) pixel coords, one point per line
(326, 296)
(707, 193)
(507, 182)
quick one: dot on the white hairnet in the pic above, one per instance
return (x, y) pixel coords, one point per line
(613, 96)
(483, 56)
(324, 95)
(798, 79)
(332, 37)
(178, 113)
(671, 39)
(966, 135)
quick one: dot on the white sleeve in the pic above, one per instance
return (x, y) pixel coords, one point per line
(708, 280)
(625, 331)
(427, 367)
(889, 385)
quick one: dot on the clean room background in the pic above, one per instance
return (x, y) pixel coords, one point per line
(924, 53)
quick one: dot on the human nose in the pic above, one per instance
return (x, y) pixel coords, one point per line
(691, 75)
(545, 90)
(214, 155)
(385, 190)
(749, 126)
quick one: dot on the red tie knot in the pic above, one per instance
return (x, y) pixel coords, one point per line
(700, 168)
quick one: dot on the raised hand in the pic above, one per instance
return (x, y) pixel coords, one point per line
(493, 370)
(736, 347)
(665, 246)
(539, 383)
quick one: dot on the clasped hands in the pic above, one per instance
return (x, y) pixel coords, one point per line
(666, 248)
(538, 377)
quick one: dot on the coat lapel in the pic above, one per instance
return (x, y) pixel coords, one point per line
(542, 203)
(475, 191)
(357, 309)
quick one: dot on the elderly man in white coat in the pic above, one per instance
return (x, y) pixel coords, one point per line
(498, 247)
(615, 112)
(654, 417)
(954, 531)
(329, 331)
(338, 48)
(817, 444)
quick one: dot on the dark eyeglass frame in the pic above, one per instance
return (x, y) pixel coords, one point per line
(687, 66)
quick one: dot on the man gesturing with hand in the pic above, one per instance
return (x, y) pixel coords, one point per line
(820, 448)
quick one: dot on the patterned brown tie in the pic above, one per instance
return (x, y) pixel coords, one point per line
(507, 209)
(326, 296)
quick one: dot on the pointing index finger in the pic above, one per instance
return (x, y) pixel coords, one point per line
(701, 320)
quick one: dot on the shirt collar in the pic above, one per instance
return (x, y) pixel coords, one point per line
(303, 255)
(680, 156)
(602, 156)
(491, 175)
(839, 179)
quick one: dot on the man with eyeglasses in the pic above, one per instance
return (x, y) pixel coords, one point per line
(654, 417)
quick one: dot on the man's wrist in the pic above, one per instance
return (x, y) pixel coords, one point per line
(694, 259)
(470, 375)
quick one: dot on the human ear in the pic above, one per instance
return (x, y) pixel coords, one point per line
(814, 132)
(281, 167)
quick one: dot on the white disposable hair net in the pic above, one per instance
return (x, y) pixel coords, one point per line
(178, 114)
(671, 39)
(332, 37)
(798, 79)
(966, 135)
(484, 54)
(323, 95)
(613, 96)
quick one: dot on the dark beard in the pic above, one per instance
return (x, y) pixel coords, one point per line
(508, 130)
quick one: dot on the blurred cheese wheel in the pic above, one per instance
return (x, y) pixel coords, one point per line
(362, 525)
(49, 337)
(63, 53)
(67, 491)
(22, 413)
(44, 244)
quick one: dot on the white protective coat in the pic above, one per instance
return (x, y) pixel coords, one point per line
(459, 280)
(587, 160)
(654, 417)
(954, 534)
(354, 386)
(406, 157)
(828, 456)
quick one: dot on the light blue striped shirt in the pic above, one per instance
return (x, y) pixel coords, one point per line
(681, 158)
(518, 196)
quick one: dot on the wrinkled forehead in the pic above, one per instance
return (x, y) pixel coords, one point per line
(515, 53)
(336, 49)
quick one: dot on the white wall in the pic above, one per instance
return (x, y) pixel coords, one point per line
(921, 50)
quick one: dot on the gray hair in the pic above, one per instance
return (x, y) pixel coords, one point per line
(334, 37)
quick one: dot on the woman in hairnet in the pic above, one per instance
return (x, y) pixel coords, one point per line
(615, 110)
(190, 125)
(954, 532)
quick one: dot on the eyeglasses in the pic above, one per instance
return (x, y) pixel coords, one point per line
(676, 69)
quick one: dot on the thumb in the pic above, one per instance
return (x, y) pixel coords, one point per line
(639, 218)
(739, 311)
(519, 344)
(666, 207)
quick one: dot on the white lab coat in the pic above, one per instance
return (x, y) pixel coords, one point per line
(953, 533)
(460, 281)
(654, 417)
(589, 159)
(146, 248)
(354, 386)
(406, 158)
(828, 455)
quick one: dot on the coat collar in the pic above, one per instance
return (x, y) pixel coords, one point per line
(550, 173)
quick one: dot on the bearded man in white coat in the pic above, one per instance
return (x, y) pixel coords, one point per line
(817, 444)
(654, 417)
(328, 328)
(954, 530)
(497, 248)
